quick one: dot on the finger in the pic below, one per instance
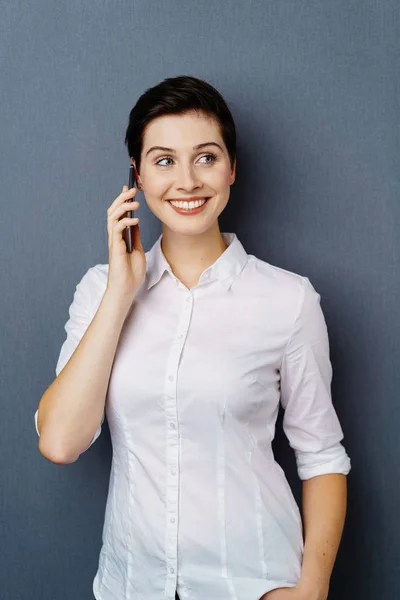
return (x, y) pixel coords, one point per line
(125, 195)
(122, 224)
(123, 208)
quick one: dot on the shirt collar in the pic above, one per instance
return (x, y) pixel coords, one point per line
(224, 270)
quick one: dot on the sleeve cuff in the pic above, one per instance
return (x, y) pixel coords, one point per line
(96, 435)
(36, 419)
(323, 462)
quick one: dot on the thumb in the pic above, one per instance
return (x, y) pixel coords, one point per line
(136, 239)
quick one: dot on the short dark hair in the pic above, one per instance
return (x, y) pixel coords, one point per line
(178, 95)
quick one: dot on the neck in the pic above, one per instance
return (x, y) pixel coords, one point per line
(189, 255)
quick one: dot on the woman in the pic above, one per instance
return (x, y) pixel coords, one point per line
(194, 344)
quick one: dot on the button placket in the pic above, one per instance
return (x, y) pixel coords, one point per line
(172, 448)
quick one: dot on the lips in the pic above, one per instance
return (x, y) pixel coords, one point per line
(194, 199)
(190, 212)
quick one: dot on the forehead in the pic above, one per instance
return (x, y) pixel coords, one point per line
(180, 131)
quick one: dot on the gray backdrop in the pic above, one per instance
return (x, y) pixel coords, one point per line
(313, 87)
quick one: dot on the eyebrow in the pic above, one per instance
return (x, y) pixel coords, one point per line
(164, 149)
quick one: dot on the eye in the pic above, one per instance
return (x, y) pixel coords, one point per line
(210, 155)
(158, 162)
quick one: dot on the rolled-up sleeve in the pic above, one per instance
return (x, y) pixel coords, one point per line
(86, 300)
(310, 421)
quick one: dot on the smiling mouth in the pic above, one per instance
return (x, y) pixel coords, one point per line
(188, 201)
(187, 210)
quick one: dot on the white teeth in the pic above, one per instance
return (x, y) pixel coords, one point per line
(188, 205)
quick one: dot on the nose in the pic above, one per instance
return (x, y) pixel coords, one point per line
(187, 179)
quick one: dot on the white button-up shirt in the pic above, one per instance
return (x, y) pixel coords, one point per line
(196, 500)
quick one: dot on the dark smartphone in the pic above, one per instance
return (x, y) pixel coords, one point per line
(130, 213)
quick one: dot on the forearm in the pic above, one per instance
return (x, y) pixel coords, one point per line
(324, 512)
(71, 408)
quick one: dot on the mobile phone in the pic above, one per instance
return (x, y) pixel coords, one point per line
(130, 213)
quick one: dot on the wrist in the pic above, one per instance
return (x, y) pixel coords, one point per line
(117, 303)
(313, 590)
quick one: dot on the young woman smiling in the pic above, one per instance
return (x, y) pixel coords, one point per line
(189, 349)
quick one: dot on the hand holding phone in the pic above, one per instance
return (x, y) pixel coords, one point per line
(127, 258)
(130, 213)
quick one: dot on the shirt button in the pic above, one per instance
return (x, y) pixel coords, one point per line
(173, 471)
(172, 570)
(172, 519)
(171, 377)
(188, 299)
(172, 425)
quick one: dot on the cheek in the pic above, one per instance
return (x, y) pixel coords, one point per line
(222, 178)
(153, 183)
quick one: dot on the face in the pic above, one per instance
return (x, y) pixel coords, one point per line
(183, 171)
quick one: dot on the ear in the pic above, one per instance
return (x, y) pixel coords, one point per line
(233, 172)
(137, 177)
